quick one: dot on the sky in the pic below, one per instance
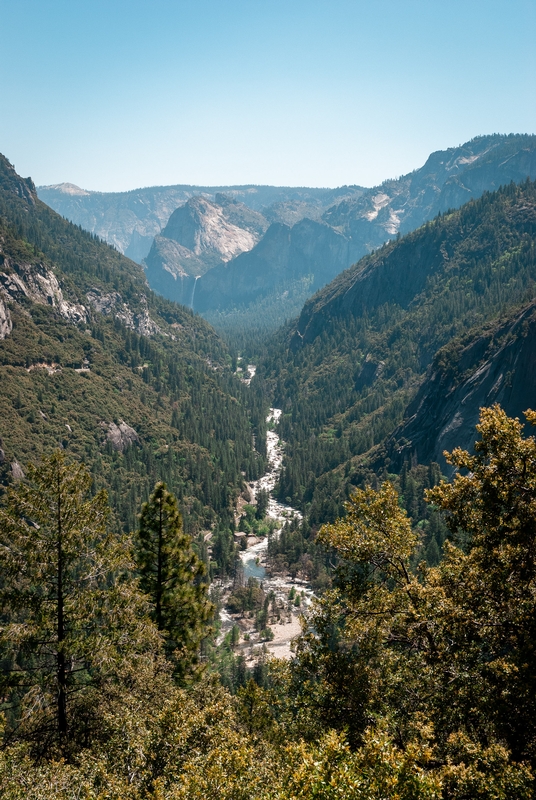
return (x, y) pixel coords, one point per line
(118, 94)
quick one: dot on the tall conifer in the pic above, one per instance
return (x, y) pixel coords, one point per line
(172, 575)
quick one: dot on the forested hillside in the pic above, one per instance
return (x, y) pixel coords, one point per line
(93, 362)
(408, 681)
(362, 346)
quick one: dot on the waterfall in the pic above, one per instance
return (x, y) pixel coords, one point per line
(193, 292)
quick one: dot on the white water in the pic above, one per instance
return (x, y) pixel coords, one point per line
(253, 557)
(193, 292)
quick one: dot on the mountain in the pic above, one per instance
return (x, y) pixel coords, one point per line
(448, 179)
(316, 251)
(272, 283)
(131, 220)
(200, 235)
(284, 255)
(345, 374)
(92, 361)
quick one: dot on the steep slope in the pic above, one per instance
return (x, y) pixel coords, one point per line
(131, 220)
(282, 256)
(494, 365)
(199, 236)
(364, 343)
(92, 361)
(448, 179)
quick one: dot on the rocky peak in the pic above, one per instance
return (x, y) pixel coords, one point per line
(38, 284)
(13, 183)
(67, 188)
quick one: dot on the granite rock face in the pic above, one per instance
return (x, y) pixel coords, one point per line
(200, 235)
(112, 303)
(120, 435)
(496, 366)
(215, 228)
(284, 254)
(36, 283)
(6, 325)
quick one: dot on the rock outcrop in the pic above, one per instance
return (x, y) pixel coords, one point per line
(112, 303)
(496, 366)
(120, 435)
(6, 325)
(36, 283)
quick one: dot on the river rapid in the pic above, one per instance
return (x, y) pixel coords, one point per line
(254, 557)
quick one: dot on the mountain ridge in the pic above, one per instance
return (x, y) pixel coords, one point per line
(93, 362)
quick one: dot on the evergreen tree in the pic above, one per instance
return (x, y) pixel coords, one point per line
(73, 625)
(173, 577)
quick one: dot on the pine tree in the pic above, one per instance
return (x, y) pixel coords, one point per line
(172, 575)
(73, 624)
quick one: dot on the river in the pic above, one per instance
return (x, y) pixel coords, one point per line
(254, 559)
(254, 556)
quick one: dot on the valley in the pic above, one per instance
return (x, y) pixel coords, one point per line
(262, 251)
(237, 556)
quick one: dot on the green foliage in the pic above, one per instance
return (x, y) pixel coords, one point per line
(194, 418)
(491, 511)
(73, 623)
(451, 646)
(172, 575)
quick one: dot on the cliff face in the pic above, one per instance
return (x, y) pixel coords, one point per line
(496, 366)
(448, 179)
(283, 255)
(223, 228)
(199, 236)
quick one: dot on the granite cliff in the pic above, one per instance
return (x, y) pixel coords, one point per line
(495, 365)
(130, 220)
(200, 235)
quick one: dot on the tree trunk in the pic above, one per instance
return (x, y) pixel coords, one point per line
(61, 671)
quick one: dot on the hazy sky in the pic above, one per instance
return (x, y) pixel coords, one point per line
(118, 94)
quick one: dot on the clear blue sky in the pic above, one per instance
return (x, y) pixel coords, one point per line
(117, 94)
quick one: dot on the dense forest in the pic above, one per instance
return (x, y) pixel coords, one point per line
(408, 681)
(140, 361)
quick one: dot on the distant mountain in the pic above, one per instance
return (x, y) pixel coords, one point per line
(200, 235)
(448, 179)
(285, 254)
(358, 224)
(315, 233)
(319, 250)
(94, 362)
(131, 220)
